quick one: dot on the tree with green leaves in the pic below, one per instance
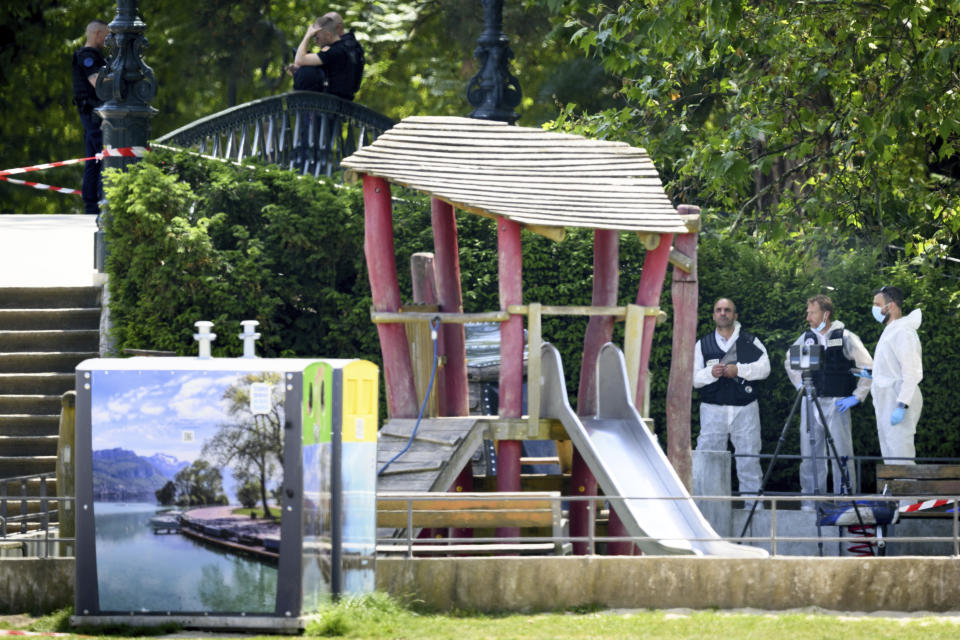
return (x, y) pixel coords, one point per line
(249, 493)
(786, 116)
(217, 54)
(253, 442)
(199, 484)
(167, 494)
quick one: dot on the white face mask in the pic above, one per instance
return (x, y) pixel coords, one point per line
(878, 314)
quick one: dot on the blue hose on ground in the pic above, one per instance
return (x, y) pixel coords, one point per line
(434, 325)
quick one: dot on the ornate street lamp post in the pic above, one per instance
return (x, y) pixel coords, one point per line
(494, 91)
(126, 85)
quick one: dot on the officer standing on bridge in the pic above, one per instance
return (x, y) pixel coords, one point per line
(87, 62)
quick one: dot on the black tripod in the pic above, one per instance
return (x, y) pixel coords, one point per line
(809, 391)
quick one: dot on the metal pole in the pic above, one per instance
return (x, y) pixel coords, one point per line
(494, 91)
(126, 85)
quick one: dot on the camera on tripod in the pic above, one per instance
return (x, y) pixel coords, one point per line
(805, 357)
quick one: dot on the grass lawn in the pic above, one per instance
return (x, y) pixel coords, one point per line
(379, 616)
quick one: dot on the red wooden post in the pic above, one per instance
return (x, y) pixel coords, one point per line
(454, 393)
(606, 277)
(685, 294)
(648, 295)
(452, 385)
(510, 268)
(382, 271)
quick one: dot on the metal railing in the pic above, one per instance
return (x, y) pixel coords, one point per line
(773, 505)
(301, 130)
(857, 462)
(29, 518)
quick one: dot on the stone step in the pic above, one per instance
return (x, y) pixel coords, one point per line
(11, 466)
(29, 404)
(42, 362)
(48, 297)
(29, 486)
(28, 445)
(29, 425)
(37, 383)
(50, 340)
(38, 319)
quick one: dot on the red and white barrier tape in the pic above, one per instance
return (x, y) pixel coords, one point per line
(108, 152)
(48, 634)
(923, 506)
(40, 185)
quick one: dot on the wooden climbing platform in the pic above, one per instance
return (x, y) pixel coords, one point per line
(439, 451)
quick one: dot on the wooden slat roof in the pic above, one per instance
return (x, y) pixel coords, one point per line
(537, 178)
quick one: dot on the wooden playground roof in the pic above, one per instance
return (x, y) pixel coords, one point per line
(543, 180)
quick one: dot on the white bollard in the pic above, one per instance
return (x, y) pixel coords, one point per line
(204, 338)
(249, 338)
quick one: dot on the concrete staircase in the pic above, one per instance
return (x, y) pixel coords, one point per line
(44, 333)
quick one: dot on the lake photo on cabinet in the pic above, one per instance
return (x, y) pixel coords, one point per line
(143, 571)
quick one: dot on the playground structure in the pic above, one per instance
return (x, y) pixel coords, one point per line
(544, 182)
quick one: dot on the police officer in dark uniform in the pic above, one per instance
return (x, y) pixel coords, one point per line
(838, 390)
(87, 62)
(337, 68)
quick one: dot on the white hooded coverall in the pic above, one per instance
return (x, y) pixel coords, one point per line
(740, 424)
(839, 423)
(897, 372)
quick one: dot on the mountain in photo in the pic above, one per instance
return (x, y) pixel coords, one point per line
(120, 475)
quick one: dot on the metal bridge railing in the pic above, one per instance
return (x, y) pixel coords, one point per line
(301, 130)
(29, 518)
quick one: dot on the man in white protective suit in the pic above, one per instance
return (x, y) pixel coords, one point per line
(838, 390)
(897, 372)
(728, 362)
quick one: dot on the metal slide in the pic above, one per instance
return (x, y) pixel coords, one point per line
(627, 461)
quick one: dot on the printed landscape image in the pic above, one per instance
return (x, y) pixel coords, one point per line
(175, 455)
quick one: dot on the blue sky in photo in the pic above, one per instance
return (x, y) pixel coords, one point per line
(151, 412)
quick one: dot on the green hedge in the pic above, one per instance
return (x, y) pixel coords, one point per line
(192, 239)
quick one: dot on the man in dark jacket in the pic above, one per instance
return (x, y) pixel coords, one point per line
(87, 63)
(337, 68)
(727, 365)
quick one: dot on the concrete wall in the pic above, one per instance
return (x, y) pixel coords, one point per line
(38, 585)
(533, 584)
(35, 585)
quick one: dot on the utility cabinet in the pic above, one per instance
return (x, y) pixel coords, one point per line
(169, 450)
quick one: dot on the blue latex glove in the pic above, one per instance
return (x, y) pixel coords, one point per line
(864, 373)
(897, 416)
(847, 403)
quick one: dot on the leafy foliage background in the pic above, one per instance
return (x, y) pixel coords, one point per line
(219, 53)
(193, 239)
